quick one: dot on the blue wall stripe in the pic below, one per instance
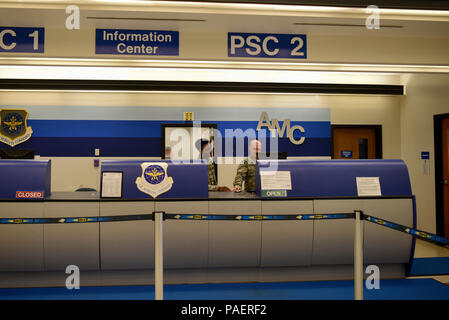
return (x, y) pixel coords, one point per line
(85, 147)
(315, 129)
(147, 147)
(174, 113)
(145, 129)
(136, 131)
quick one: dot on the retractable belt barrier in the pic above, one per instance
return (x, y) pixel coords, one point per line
(159, 216)
(174, 216)
(415, 232)
(259, 217)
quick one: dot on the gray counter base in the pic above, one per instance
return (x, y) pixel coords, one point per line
(193, 276)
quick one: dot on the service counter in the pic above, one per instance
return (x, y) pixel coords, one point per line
(204, 244)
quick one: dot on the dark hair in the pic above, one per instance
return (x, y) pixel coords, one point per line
(200, 143)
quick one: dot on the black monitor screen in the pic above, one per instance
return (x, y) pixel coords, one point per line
(273, 155)
(16, 154)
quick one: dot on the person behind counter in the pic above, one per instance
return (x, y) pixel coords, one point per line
(246, 171)
(206, 148)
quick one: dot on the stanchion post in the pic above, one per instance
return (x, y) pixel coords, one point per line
(158, 256)
(358, 256)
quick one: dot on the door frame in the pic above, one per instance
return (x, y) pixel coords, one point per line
(377, 129)
(438, 162)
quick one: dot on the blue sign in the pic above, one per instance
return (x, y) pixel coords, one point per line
(17, 39)
(267, 45)
(425, 155)
(346, 154)
(137, 42)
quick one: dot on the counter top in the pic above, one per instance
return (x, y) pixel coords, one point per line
(95, 196)
(213, 196)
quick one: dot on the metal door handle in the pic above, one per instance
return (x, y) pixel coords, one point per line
(445, 182)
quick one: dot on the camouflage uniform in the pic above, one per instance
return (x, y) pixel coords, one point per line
(213, 186)
(246, 172)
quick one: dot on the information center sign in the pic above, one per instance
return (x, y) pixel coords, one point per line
(18, 39)
(267, 45)
(137, 42)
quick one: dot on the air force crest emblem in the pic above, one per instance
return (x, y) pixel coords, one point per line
(154, 179)
(13, 127)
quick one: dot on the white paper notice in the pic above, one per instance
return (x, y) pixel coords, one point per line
(275, 180)
(368, 186)
(111, 185)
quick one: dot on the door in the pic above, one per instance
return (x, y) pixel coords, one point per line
(356, 142)
(445, 178)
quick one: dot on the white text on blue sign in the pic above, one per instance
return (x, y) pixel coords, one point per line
(137, 42)
(18, 39)
(267, 45)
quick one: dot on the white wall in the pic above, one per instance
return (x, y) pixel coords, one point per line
(422, 42)
(426, 96)
(407, 125)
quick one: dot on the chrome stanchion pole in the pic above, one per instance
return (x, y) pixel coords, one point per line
(358, 257)
(158, 257)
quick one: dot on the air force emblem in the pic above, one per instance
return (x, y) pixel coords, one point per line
(13, 127)
(154, 180)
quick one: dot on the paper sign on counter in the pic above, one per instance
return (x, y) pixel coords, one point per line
(368, 186)
(111, 186)
(275, 180)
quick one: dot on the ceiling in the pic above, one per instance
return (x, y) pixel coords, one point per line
(219, 17)
(226, 17)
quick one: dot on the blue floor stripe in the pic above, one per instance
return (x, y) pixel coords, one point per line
(430, 266)
(395, 289)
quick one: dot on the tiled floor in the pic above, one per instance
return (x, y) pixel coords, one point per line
(425, 249)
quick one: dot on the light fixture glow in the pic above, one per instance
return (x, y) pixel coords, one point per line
(14, 62)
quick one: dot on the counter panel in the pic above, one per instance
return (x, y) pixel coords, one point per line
(21, 246)
(186, 242)
(71, 244)
(384, 245)
(333, 240)
(128, 244)
(286, 243)
(235, 243)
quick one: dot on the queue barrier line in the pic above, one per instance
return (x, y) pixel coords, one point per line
(159, 216)
(259, 217)
(133, 217)
(412, 231)
(174, 216)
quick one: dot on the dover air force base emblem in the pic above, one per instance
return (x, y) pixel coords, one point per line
(154, 180)
(13, 127)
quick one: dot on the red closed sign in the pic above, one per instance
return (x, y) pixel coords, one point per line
(29, 195)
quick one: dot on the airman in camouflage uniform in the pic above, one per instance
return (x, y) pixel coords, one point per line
(213, 186)
(246, 171)
(205, 147)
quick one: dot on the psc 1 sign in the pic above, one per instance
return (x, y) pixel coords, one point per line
(18, 39)
(267, 45)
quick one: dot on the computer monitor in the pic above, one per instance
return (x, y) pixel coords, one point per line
(16, 154)
(273, 155)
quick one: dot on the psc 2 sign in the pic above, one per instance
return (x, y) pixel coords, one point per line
(267, 45)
